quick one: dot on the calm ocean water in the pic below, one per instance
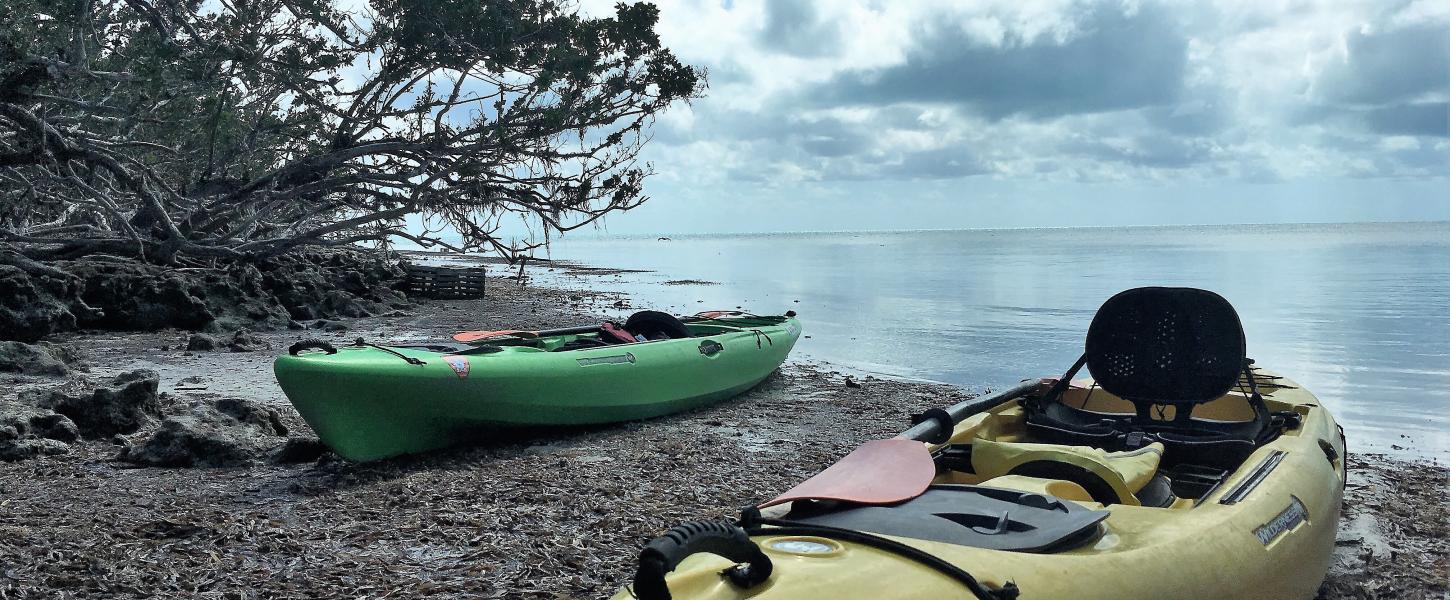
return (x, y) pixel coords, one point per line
(1359, 313)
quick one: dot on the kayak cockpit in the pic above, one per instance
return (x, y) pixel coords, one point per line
(641, 327)
(1165, 352)
(1174, 399)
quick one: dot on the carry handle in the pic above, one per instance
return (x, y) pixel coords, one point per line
(662, 554)
(311, 345)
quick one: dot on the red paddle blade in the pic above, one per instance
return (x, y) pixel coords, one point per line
(878, 472)
(473, 336)
(713, 314)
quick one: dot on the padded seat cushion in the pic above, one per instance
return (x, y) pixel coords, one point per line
(1124, 473)
(1166, 346)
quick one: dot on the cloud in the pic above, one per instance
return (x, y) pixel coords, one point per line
(1143, 150)
(1429, 119)
(1118, 58)
(944, 163)
(921, 165)
(1204, 115)
(931, 92)
(796, 27)
(1391, 66)
(1388, 81)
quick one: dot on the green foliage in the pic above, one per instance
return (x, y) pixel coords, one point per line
(172, 128)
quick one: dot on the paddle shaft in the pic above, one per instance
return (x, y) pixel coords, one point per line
(932, 428)
(567, 330)
(586, 329)
(592, 328)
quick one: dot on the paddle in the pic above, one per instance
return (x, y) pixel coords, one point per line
(468, 337)
(897, 469)
(878, 472)
(474, 336)
(712, 314)
(933, 430)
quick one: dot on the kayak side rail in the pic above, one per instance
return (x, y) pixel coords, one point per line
(935, 425)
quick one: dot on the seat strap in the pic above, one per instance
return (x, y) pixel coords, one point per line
(1054, 392)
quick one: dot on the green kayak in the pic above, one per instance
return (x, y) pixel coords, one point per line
(368, 402)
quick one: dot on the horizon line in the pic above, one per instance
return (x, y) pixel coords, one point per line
(1039, 228)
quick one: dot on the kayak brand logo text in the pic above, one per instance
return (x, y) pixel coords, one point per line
(1286, 520)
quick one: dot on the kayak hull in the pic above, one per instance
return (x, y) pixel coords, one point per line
(1266, 531)
(367, 403)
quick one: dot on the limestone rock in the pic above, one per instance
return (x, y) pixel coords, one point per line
(27, 431)
(230, 432)
(252, 413)
(30, 448)
(107, 292)
(201, 342)
(56, 427)
(19, 357)
(299, 450)
(123, 406)
(194, 441)
(245, 341)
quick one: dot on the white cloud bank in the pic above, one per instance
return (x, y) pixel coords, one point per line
(958, 113)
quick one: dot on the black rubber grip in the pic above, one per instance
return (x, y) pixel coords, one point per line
(311, 345)
(662, 554)
(944, 423)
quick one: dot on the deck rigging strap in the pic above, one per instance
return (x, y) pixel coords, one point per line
(408, 359)
(1058, 387)
(759, 334)
(1276, 422)
(751, 521)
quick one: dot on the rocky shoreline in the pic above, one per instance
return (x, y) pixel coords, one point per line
(97, 507)
(111, 293)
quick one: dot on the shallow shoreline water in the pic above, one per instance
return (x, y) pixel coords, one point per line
(559, 516)
(1354, 312)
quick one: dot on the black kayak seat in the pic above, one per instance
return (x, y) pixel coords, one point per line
(1160, 347)
(1166, 346)
(656, 325)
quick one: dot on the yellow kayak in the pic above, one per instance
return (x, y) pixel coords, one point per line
(1179, 471)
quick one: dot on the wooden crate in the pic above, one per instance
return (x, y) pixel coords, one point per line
(445, 282)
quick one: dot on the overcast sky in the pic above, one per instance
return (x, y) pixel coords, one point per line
(861, 114)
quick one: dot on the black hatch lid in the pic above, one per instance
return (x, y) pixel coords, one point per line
(968, 515)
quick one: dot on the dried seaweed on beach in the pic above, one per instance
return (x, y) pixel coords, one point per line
(519, 518)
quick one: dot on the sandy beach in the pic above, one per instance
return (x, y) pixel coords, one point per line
(558, 515)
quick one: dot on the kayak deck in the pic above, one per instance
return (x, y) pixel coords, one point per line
(1263, 530)
(369, 402)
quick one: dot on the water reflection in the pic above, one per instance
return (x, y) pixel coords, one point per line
(1355, 312)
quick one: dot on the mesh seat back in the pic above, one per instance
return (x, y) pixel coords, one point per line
(1166, 346)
